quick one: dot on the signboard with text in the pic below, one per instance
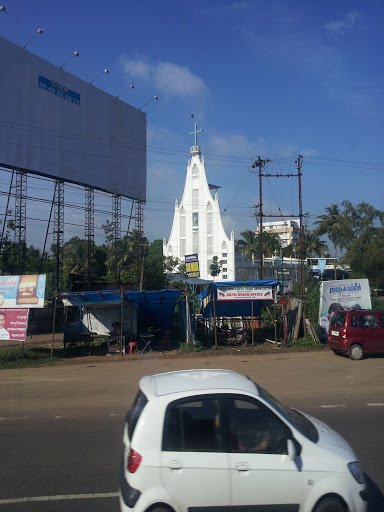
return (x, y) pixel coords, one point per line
(244, 293)
(13, 324)
(22, 291)
(192, 265)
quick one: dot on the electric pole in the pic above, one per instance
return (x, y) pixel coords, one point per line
(260, 163)
(299, 162)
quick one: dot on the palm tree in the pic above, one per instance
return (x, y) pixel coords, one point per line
(249, 245)
(313, 246)
(271, 244)
(330, 224)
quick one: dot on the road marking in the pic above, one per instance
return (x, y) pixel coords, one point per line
(333, 406)
(375, 405)
(61, 497)
(15, 418)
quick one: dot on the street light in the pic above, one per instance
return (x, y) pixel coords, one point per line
(154, 98)
(40, 31)
(75, 54)
(105, 71)
(130, 87)
(2, 8)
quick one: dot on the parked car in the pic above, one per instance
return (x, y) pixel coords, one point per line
(357, 332)
(202, 440)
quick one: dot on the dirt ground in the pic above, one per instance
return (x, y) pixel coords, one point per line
(98, 354)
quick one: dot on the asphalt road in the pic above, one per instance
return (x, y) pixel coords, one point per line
(61, 427)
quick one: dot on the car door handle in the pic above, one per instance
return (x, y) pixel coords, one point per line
(242, 466)
(175, 464)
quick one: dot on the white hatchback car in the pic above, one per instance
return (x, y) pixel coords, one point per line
(213, 440)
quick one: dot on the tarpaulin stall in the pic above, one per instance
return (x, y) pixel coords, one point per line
(236, 298)
(118, 312)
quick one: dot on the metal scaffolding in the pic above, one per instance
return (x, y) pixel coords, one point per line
(20, 220)
(139, 248)
(116, 234)
(58, 233)
(89, 235)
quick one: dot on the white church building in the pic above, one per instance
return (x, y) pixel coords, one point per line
(197, 226)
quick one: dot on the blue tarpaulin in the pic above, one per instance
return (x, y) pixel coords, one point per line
(232, 308)
(155, 308)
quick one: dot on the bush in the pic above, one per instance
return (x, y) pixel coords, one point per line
(303, 342)
(185, 348)
(13, 357)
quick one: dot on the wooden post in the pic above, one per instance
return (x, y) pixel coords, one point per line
(253, 334)
(274, 313)
(121, 321)
(53, 325)
(214, 315)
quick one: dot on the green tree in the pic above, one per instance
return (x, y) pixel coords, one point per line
(271, 244)
(249, 245)
(313, 245)
(331, 224)
(215, 266)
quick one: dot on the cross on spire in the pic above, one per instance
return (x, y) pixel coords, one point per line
(195, 133)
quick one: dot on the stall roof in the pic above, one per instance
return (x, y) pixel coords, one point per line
(229, 284)
(105, 297)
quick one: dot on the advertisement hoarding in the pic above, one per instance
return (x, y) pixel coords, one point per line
(13, 324)
(22, 291)
(55, 124)
(244, 293)
(192, 265)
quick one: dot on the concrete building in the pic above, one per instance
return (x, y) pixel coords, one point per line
(288, 230)
(197, 225)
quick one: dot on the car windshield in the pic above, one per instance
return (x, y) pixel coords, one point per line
(295, 418)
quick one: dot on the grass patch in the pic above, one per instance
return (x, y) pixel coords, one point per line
(185, 348)
(16, 357)
(304, 342)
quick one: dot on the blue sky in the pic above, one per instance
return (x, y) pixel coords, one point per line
(269, 78)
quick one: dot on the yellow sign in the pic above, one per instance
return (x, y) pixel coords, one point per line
(194, 274)
(192, 267)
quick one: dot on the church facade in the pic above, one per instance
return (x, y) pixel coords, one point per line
(197, 225)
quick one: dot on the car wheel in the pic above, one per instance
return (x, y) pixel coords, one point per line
(356, 352)
(331, 504)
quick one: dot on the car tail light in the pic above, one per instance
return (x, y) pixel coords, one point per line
(133, 462)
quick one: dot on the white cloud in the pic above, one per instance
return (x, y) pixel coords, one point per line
(136, 68)
(343, 25)
(178, 80)
(167, 76)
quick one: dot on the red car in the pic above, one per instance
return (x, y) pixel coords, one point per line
(357, 332)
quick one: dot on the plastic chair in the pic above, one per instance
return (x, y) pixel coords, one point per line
(133, 347)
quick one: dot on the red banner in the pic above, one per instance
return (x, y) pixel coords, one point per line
(13, 324)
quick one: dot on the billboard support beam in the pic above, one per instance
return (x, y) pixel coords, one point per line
(20, 220)
(89, 234)
(139, 233)
(58, 232)
(116, 221)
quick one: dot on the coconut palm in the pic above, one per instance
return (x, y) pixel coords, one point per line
(330, 224)
(271, 244)
(249, 245)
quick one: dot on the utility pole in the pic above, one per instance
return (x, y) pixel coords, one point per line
(260, 163)
(299, 162)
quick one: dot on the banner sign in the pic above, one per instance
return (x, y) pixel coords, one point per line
(244, 293)
(343, 294)
(22, 291)
(322, 262)
(192, 265)
(13, 324)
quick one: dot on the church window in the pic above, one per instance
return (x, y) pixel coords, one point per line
(209, 245)
(195, 199)
(182, 247)
(224, 262)
(195, 219)
(224, 254)
(182, 226)
(195, 241)
(195, 171)
(225, 277)
(224, 269)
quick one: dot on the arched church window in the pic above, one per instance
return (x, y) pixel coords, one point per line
(182, 222)
(209, 218)
(195, 199)
(224, 249)
(195, 171)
